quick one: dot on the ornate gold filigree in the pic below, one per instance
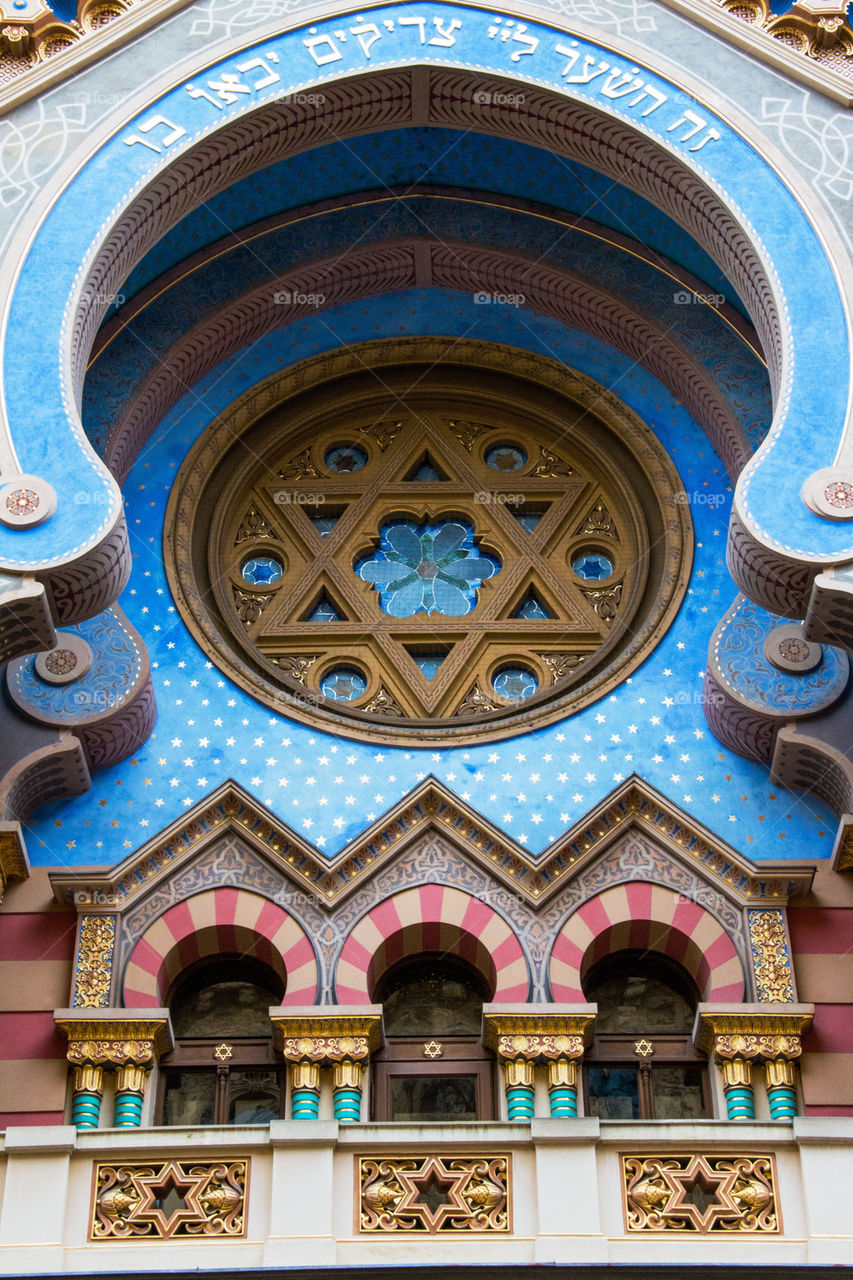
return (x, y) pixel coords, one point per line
(475, 703)
(751, 1035)
(467, 432)
(327, 1039)
(93, 975)
(116, 1042)
(537, 1037)
(434, 1194)
(253, 525)
(599, 520)
(562, 664)
(605, 601)
(383, 704)
(384, 433)
(736, 1193)
(295, 665)
(250, 605)
(770, 956)
(161, 1199)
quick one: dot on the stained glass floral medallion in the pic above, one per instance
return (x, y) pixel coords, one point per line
(429, 568)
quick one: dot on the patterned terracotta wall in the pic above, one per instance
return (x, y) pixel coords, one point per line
(36, 953)
(822, 941)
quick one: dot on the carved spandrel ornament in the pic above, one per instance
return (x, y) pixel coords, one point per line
(770, 956)
(93, 972)
(737, 1194)
(207, 1198)
(436, 1194)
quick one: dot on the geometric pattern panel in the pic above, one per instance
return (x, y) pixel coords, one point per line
(434, 1194)
(716, 1194)
(647, 917)
(161, 1199)
(432, 917)
(220, 922)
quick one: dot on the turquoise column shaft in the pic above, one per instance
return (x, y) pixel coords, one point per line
(783, 1102)
(519, 1102)
(564, 1101)
(86, 1110)
(128, 1110)
(304, 1104)
(740, 1103)
(348, 1105)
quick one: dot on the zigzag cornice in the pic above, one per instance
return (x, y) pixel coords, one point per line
(430, 805)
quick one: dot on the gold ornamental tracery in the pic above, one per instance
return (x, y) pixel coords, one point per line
(553, 554)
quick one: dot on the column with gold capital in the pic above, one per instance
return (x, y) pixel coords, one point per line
(127, 1041)
(343, 1038)
(745, 1036)
(524, 1036)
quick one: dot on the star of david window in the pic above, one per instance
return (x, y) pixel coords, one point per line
(416, 551)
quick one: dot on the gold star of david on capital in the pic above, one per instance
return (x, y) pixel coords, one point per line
(223, 1052)
(435, 1180)
(643, 1048)
(157, 1186)
(712, 1185)
(432, 1049)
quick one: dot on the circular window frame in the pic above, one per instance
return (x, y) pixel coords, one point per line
(658, 591)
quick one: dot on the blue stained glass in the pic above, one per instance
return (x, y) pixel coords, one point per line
(262, 570)
(426, 472)
(346, 458)
(528, 520)
(592, 566)
(323, 611)
(515, 683)
(505, 457)
(428, 568)
(429, 663)
(343, 684)
(324, 524)
(531, 607)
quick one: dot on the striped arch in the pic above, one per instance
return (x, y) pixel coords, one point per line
(217, 922)
(432, 917)
(647, 917)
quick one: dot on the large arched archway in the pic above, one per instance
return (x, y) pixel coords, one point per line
(627, 121)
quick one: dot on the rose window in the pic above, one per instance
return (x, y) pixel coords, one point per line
(423, 541)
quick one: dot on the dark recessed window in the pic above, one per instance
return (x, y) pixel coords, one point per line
(223, 1069)
(433, 1066)
(643, 1064)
